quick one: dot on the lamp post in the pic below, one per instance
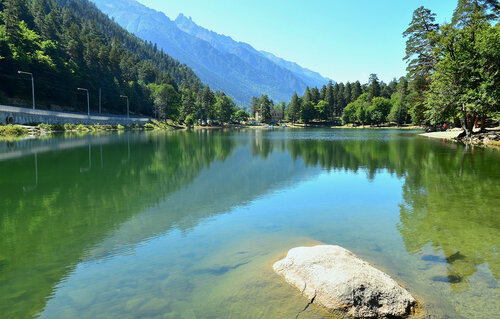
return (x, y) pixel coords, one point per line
(32, 85)
(124, 96)
(88, 99)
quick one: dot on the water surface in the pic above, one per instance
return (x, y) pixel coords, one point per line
(188, 224)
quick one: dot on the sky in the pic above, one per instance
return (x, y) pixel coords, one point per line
(345, 40)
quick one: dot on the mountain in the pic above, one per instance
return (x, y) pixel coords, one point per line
(314, 79)
(226, 65)
(246, 51)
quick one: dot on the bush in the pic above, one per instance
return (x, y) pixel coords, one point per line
(12, 130)
(82, 128)
(69, 127)
(52, 127)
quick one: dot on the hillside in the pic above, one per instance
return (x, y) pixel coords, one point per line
(233, 67)
(68, 44)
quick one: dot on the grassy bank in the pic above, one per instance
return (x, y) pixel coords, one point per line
(21, 131)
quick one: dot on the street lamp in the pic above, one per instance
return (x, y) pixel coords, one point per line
(32, 85)
(124, 96)
(88, 100)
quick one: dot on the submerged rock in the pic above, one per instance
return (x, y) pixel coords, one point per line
(334, 278)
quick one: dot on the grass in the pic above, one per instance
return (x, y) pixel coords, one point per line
(160, 125)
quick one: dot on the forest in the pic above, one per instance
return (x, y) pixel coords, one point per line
(453, 77)
(70, 44)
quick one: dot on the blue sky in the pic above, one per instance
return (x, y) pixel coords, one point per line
(345, 40)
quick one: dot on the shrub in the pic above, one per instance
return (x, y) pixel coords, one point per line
(12, 130)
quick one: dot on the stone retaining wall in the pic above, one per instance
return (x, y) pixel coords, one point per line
(20, 115)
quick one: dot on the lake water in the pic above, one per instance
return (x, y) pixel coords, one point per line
(188, 224)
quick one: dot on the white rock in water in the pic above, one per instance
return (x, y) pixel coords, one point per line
(334, 278)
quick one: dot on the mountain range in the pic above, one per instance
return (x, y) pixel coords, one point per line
(233, 67)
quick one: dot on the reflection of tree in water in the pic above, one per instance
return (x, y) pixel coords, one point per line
(453, 205)
(47, 231)
(451, 193)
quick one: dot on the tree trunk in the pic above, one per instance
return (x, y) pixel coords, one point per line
(468, 122)
(483, 122)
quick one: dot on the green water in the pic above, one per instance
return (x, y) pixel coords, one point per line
(188, 224)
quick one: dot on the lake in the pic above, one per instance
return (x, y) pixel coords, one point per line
(188, 224)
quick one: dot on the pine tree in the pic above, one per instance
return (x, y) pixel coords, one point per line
(421, 35)
(330, 99)
(356, 91)
(374, 86)
(347, 93)
(293, 108)
(322, 93)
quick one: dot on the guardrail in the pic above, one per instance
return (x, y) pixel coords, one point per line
(21, 115)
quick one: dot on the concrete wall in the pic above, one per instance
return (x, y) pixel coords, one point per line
(20, 115)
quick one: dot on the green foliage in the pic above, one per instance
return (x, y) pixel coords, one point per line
(190, 120)
(166, 100)
(82, 128)
(349, 114)
(321, 110)
(68, 44)
(69, 127)
(224, 108)
(454, 68)
(379, 110)
(374, 86)
(52, 127)
(306, 112)
(12, 130)
(265, 106)
(241, 116)
(160, 125)
(149, 126)
(399, 110)
(421, 35)
(293, 109)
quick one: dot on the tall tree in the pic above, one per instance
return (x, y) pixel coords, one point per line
(347, 93)
(374, 86)
(421, 38)
(265, 106)
(293, 108)
(462, 84)
(254, 105)
(224, 108)
(356, 91)
(315, 95)
(330, 99)
(339, 100)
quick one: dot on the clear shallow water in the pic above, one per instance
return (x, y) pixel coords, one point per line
(188, 224)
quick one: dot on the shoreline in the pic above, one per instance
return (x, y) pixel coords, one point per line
(490, 138)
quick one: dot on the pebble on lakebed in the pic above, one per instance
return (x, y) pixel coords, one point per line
(335, 279)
